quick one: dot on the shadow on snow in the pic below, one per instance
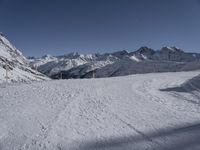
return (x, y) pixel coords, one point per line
(180, 138)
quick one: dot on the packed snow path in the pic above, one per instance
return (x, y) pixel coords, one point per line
(137, 112)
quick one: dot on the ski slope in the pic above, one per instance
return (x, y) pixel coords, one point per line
(157, 111)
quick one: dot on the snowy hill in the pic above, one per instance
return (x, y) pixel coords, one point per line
(157, 111)
(16, 63)
(144, 60)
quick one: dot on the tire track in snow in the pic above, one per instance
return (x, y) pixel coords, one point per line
(182, 97)
(185, 88)
(132, 127)
(152, 94)
(145, 87)
(143, 135)
(117, 117)
(44, 132)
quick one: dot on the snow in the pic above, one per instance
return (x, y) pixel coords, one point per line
(144, 57)
(75, 65)
(134, 58)
(142, 112)
(19, 71)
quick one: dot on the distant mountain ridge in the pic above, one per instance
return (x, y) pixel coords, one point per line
(11, 59)
(143, 60)
(75, 65)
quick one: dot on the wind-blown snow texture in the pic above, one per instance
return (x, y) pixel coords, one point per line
(158, 111)
(19, 70)
(144, 60)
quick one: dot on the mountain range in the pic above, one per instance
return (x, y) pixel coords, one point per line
(120, 63)
(75, 65)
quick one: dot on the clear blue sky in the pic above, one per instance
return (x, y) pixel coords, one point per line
(39, 27)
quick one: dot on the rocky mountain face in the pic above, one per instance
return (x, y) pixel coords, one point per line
(16, 64)
(143, 60)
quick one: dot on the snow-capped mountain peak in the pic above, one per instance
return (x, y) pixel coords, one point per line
(143, 60)
(172, 49)
(145, 50)
(120, 54)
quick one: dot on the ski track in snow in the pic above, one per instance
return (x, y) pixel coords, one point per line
(122, 113)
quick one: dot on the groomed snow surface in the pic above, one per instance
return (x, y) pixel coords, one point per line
(158, 111)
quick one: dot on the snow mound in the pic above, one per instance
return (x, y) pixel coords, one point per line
(193, 84)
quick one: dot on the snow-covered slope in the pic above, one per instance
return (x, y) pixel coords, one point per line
(137, 112)
(16, 63)
(144, 60)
